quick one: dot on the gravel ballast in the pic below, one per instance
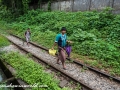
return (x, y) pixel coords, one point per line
(92, 79)
(61, 78)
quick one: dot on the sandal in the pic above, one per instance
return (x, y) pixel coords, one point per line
(58, 63)
(64, 68)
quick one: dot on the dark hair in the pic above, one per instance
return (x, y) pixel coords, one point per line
(28, 28)
(63, 29)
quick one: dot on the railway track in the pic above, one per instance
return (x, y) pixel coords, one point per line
(111, 85)
(86, 87)
(77, 62)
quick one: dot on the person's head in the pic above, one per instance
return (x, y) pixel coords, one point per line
(28, 29)
(63, 30)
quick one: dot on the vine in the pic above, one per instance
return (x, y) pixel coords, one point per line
(39, 3)
(49, 5)
(25, 5)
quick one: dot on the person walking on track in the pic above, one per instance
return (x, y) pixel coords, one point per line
(61, 40)
(27, 36)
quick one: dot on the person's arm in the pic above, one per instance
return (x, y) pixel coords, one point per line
(56, 41)
(69, 41)
(25, 34)
(55, 44)
(30, 33)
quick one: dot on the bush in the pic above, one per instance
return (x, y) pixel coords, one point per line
(80, 36)
(3, 41)
(93, 33)
(99, 49)
(31, 73)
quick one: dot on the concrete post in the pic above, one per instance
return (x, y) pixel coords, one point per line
(90, 5)
(72, 5)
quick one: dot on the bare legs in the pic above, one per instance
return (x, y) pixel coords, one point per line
(62, 57)
(27, 41)
(28, 44)
(58, 61)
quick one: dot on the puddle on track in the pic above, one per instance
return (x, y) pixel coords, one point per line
(2, 75)
(2, 78)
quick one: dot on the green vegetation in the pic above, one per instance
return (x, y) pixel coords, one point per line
(15, 8)
(31, 72)
(3, 41)
(95, 34)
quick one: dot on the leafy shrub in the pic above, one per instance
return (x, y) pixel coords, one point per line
(94, 33)
(32, 73)
(80, 36)
(3, 41)
(99, 49)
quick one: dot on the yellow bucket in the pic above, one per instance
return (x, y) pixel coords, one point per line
(52, 52)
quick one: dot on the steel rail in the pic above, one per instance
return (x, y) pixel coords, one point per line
(56, 68)
(77, 62)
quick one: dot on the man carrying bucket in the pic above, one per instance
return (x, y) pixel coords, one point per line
(61, 40)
